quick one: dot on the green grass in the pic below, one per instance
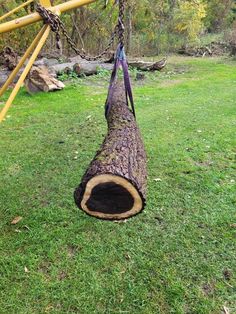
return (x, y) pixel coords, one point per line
(178, 256)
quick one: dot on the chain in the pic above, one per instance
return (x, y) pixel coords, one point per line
(56, 25)
(121, 27)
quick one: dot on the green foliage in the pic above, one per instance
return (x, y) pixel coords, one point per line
(66, 76)
(220, 14)
(178, 256)
(188, 18)
(152, 27)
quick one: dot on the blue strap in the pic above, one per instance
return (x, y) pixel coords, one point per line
(120, 60)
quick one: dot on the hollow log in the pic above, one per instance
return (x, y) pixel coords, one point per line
(86, 69)
(114, 185)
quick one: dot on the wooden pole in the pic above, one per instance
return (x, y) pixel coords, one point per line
(25, 72)
(22, 61)
(39, 41)
(35, 17)
(15, 10)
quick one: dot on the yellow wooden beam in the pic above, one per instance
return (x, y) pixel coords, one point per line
(15, 10)
(35, 17)
(22, 61)
(25, 72)
(45, 3)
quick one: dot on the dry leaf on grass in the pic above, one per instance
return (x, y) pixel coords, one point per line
(157, 179)
(16, 220)
(226, 310)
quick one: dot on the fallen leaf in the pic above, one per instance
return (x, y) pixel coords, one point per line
(121, 221)
(226, 310)
(16, 220)
(26, 270)
(62, 275)
(48, 308)
(227, 274)
(26, 227)
(233, 225)
(127, 256)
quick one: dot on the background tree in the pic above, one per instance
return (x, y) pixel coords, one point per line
(152, 26)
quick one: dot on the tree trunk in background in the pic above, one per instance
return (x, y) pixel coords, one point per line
(114, 185)
(129, 29)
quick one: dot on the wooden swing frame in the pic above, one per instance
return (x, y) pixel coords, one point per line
(37, 44)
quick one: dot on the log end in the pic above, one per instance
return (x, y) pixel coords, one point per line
(110, 197)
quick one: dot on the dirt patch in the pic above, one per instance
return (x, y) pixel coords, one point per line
(169, 83)
(208, 288)
(206, 163)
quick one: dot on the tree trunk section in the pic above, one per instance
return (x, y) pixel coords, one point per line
(148, 66)
(129, 29)
(114, 185)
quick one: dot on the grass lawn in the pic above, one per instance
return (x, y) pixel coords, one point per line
(179, 255)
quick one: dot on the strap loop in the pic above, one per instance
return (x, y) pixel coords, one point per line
(120, 60)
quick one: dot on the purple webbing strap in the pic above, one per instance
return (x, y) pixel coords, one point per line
(120, 60)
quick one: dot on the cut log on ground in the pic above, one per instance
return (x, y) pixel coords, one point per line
(148, 66)
(110, 57)
(86, 69)
(39, 79)
(114, 185)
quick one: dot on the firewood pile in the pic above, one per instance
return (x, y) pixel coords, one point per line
(8, 58)
(213, 49)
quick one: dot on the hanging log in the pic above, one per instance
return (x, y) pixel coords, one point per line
(114, 185)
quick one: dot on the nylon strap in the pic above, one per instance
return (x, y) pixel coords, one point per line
(120, 61)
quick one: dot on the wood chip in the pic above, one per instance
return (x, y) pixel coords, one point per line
(16, 220)
(26, 270)
(127, 256)
(226, 310)
(157, 179)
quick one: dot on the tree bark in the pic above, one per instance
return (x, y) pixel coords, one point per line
(129, 29)
(8, 58)
(148, 66)
(114, 185)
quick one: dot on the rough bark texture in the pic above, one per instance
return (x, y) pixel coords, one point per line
(121, 155)
(8, 58)
(85, 69)
(148, 66)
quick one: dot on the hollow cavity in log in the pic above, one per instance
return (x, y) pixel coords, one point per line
(114, 185)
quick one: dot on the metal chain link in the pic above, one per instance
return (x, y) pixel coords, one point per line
(121, 27)
(56, 25)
